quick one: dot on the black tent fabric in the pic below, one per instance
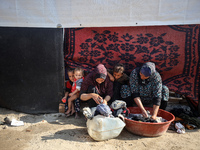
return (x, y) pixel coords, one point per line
(31, 69)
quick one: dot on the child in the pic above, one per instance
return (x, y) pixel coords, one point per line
(69, 83)
(74, 95)
(119, 78)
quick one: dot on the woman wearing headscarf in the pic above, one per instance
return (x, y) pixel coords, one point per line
(97, 87)
(146, 88)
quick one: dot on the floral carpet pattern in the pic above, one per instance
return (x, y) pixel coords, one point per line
(174, 49)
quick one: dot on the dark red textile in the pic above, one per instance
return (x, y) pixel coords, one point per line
(69, 86)
(174, 50)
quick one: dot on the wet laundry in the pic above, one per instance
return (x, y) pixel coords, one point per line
(139, 117)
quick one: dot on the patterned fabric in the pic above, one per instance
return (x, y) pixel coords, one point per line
(126, 92)
(145, 87)
(76, 105)
(174, 49)
(165, 93)
(149, 89)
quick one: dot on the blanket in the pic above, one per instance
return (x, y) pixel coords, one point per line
(175, 50)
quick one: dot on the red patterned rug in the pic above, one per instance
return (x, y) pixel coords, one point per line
(174, 49)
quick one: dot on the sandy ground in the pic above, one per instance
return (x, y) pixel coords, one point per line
(56, 132)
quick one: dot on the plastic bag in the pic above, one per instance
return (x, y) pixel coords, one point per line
(117, 104)
(102, 128)
(180, 128)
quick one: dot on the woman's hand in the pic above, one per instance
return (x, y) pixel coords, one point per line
(155, 112)
(140, 105)
(98, 99)
(104, 102)
(145, 114)
(153, 117)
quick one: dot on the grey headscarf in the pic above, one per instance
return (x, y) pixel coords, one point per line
(148, 69)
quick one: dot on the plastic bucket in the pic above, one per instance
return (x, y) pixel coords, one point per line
(146, 128)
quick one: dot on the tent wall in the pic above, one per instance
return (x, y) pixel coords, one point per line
(31, 45)
(98, 13)
(31, 69)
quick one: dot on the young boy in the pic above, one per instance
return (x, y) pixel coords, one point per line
(119, 78)
(74, 95)
(69, 83)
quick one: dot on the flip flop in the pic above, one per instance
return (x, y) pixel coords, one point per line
(73, 113)
(67, 115)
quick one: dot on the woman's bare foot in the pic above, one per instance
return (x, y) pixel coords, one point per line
(67, 112)
(72, 112)
(77, 115)
(67, 115)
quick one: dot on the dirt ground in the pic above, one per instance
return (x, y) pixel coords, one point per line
(56, 132)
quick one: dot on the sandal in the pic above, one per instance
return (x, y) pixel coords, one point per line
(72, 113)
(67, 115)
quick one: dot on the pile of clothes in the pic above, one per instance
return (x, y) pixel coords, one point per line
(186, 118)
(116, 109)
(101, 109)
(140, 118)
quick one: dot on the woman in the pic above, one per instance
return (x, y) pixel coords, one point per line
(97, 87)
(147, 89)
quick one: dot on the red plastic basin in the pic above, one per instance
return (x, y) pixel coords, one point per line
(146, 128)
